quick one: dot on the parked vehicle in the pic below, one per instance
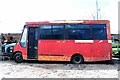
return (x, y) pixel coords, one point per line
(7, 40)
(116, 48)
(75, 41)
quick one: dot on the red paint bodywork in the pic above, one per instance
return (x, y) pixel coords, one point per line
(98, 50)
(90, 51)
(18, 48)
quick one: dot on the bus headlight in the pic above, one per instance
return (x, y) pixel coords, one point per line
(11, 47)
(10, 50)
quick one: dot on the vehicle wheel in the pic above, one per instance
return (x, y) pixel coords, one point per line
(18, 57)
(77, 59)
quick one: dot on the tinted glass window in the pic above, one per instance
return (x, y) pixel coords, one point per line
(53, 32)
(45, 32)
(78, 32)
(83, 26)
(99, 32)
(77, 26)
(57, 26)
(45, 27)
(71, 26)
(74, 31)
(57, 32)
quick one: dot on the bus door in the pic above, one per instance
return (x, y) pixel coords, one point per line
(32, 51)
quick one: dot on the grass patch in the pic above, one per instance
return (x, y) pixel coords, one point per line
(114, 51)
(114, 45)
(115, 48)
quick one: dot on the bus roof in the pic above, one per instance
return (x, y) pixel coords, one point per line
(68, 22)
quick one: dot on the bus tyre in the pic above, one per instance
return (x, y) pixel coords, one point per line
(77, 59)
(18, 57)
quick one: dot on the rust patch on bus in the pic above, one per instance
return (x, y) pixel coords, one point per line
(53, 58)
(24, 56)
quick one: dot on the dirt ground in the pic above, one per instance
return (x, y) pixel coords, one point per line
(35, 69)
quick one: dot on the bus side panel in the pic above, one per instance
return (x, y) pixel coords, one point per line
(63, 50)
(51, 50)
(101, 50)
(21, 49)
(72, 47)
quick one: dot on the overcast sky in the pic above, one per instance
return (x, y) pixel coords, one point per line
(14, 13)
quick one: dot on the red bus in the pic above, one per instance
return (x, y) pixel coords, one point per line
(75, 41)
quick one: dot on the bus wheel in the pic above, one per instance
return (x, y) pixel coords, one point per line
(18, 57)
(77, 59)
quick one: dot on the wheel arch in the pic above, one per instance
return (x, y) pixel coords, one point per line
(77, 54)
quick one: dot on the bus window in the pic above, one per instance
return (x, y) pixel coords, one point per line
(52, 32)
(45, 27)
(58, 26)
(57, 32)
(24, 37)
(78, 26)
(78, 32)
(45, 32)
(99, 32)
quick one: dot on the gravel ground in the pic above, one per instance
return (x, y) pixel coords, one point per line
(27, 69)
